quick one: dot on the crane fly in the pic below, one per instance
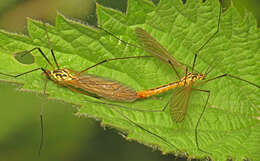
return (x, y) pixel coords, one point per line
(87, 84)
(179, 100)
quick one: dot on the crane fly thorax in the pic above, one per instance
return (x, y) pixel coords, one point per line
(59, 75)
(192, 77)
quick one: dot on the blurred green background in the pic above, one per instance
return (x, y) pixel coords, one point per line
(82, 139)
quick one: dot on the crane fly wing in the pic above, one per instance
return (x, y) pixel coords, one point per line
(179, 103)
(155, 48)
(105, 88)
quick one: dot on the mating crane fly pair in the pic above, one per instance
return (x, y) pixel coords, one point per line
(115, 91)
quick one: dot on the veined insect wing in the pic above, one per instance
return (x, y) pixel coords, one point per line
(153, 47)
(179, 103)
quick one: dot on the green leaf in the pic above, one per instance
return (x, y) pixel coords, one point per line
(229, 127)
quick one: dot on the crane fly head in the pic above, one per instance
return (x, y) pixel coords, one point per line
(201, 76)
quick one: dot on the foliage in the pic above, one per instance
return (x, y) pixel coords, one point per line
(229, 127)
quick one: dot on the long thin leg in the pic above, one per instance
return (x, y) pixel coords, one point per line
(15, 76)
(173, 67)
(108, 60)
(220, 76)
(41, 117)
(197, 124)
(44, 93)
(232, 76)
(186, 74)
(128, 108)
(211, 37)
(139, 126)
(130, 44)
(50, 45)
(42, 53)
(126, 43)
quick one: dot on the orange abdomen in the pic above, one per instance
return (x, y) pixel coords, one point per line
(157, 90)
